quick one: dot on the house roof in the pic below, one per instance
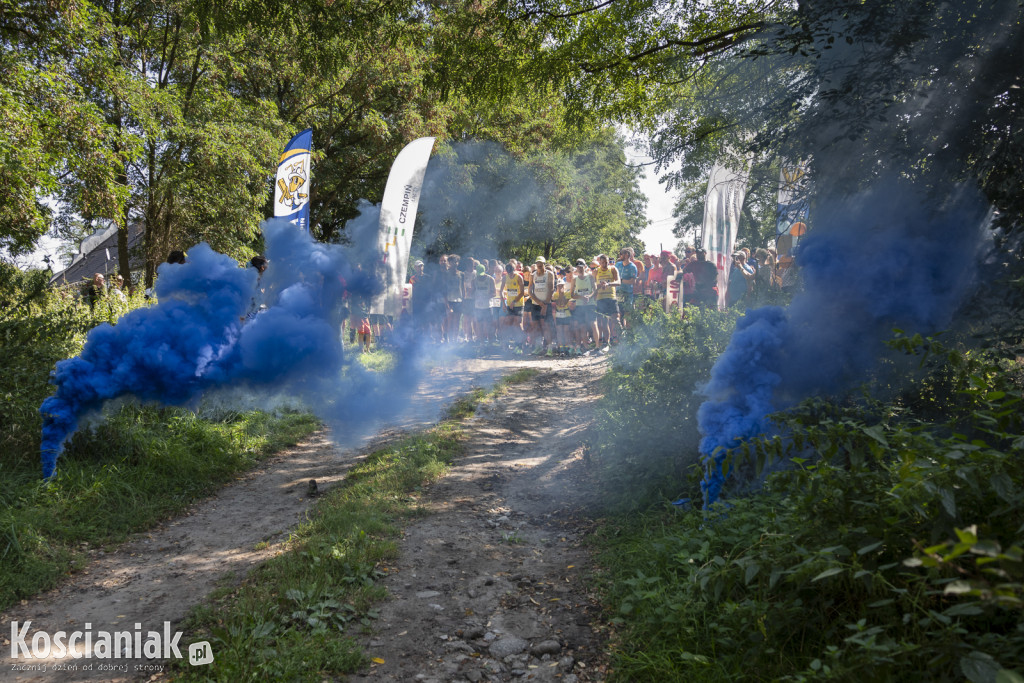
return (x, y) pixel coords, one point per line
(98, 254)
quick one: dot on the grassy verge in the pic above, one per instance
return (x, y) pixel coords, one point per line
(378, 360)
(288, 619)
(465, 406)
(142, 465)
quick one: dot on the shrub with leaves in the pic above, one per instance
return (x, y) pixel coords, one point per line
(39, 326)
(884, 547)
(646, 435)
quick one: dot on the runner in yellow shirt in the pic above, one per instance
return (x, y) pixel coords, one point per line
(607, 278)
(562, 303)
(514, 291)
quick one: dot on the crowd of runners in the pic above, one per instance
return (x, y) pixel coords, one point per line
(540, 308)
(572, 308)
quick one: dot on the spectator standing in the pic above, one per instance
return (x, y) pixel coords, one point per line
(117, 291)
(95, 290)
(790, 280)
(669, 273)
(648, 287)
(364, 334)
(420, 295)
(763, 277)
(705, 279)
(739, 276)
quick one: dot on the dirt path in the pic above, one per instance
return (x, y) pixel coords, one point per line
(491, 587)
(487, 588)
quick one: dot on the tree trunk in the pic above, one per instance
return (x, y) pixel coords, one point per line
(154, 241)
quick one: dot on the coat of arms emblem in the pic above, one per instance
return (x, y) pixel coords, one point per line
(290, 183)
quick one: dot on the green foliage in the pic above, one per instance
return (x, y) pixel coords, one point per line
(290, 619)
(646, 437)
(38, 327)
(137, 467)
(883, 545)
(140, 466)
(55, 138)
(563, 199)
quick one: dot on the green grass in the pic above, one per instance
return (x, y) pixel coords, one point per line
(290, 618)
(378, 360)
(139, 467)
(465, 406)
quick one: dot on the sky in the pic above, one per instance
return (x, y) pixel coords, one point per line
(658, 233)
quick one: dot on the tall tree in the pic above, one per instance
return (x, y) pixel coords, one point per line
(207, 152)
(58, 158)
(353, 72)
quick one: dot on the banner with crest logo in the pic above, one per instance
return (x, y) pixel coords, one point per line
(397, 218)
(291, 194)
(794, 209)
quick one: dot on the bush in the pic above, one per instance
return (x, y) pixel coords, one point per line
(645, 439)
(39, 326)
(890, 545)
(139, 466)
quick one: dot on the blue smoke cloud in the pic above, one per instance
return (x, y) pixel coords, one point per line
(197, 339)
(888, 257)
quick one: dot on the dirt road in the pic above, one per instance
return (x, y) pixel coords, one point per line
(489, 587)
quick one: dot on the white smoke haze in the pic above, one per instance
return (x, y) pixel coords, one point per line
(476, 198)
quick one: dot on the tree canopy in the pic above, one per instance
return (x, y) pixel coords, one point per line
(171, 114)
(860, 87)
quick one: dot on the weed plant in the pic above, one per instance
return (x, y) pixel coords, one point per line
(885, 546)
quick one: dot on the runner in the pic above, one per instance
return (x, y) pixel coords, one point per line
(514, 293)
(562, 304)
(454, 290)
(542, 288)
(483, 292)
(584, 315)
(467, 266)
(607, 307)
